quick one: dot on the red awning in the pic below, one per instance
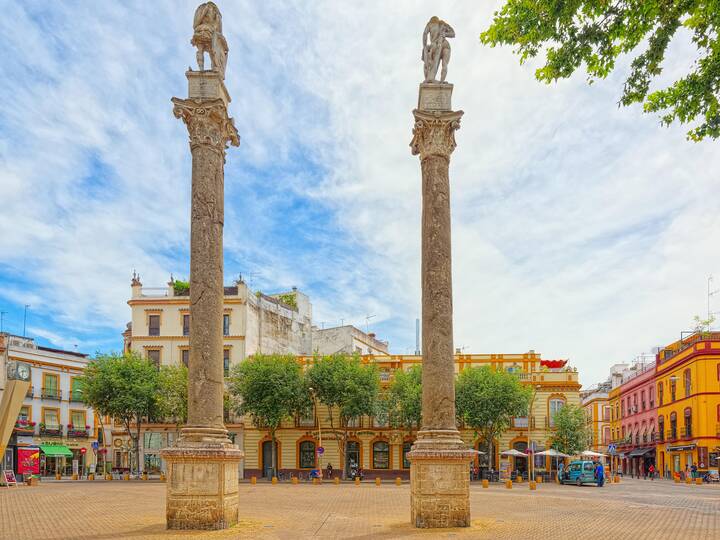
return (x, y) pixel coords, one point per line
(553, 364)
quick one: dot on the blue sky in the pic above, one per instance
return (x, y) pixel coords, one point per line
(580, 230)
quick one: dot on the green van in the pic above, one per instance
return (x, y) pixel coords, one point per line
(579, 473)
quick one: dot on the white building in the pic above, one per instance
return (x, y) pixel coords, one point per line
(346, 339)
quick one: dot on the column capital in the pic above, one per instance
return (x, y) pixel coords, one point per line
(207, 122)
(434, 133)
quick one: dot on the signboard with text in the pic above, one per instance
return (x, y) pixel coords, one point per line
(28, 460)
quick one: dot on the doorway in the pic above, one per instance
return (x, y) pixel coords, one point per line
(267, 466)
(521, 463)
(352, 457)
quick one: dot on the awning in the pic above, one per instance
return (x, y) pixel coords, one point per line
(56, 450)
(680, 448)
(640, 452)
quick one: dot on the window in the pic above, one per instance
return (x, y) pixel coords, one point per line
(554, 406)
(226, 324)
(381, 455)
(686, 378)
(51, 418)
(688, 422)
(588, 467)
(718, 372)
(185, 357)
(380, 420)
(307, 455)
(78, 420)
(153, 325)
(306, 418)
(642, 400)
(673, 380)
(154, 357)
(606, 435)
(186, 325)
(226, 362)
(24, 414)
(75, 390)
(353, 422)
(673, 426)
(635, 405)
(651, 394)
(520, 422)
(622, 411)
(660, 393)
(406, 448)
(606, 413)
(50, 386)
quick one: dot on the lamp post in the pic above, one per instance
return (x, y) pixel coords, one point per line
(317, 417)
(531, 454)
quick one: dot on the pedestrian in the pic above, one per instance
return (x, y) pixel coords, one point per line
(600, 474)
(329, 470)
(651, 470)
(693, 471)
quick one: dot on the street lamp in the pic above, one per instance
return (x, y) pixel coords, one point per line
(317, 418)
(531, 454)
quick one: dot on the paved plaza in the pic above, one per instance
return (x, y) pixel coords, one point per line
(635, 509)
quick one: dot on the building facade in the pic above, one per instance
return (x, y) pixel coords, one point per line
(348, 340)
(596, 404)
(381, 451)
(687, 380)
(54, 425)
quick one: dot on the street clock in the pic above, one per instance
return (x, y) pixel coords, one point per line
(18, 371)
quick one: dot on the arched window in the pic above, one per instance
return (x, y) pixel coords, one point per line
(687, 380)
(673, 426)
(688, 422)
(307, 455)
(381, 455)
(661, 428)
(554, 405)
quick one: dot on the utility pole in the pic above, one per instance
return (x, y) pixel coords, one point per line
(367, 323)
(710, 294)
(25, 319)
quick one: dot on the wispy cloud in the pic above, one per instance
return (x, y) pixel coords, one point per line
(580, 230)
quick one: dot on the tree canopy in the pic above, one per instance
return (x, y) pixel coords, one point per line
(403, 399)
(571, 433)
(598, 32)
(487, 400)
(172, 397)
(124, 387)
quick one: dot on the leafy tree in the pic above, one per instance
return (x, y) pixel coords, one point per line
(403, 399)
(486, 401)
(344, 383)
(597, 32)
(703, 326)
(571, 431)
(269, 388)
(172, 398)
(124, 387)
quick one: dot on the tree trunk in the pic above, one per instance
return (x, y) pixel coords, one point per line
(341, 451)
(137, 447)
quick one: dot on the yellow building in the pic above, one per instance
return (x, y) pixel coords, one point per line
(596, 404)
(688, 394)
(381, 451)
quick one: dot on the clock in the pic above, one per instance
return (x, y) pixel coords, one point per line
(18, 371)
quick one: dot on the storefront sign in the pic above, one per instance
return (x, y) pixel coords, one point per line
(9, 478)
(702, 457)
(680, 448)
(28, 460)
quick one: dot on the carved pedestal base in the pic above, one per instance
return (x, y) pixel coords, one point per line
(202, 486)
(440, 481)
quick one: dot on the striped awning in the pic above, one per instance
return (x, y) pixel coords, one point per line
(56, 450)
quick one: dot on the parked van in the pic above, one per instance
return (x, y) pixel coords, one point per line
(579, 473)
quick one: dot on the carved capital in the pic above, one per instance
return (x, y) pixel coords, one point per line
(208, 123)
(434, 133)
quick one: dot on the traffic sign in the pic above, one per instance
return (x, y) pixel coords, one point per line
(611, 448)
(320, 450)
(95, 445)
(83, 450)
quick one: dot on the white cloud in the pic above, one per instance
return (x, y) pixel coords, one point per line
(580, 230)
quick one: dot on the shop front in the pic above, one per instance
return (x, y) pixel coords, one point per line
(53, 459)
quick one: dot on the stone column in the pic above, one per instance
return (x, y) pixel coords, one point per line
(202, 479)
(440, 460)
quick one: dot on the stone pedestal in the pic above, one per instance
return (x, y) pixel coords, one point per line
(202, 486)
(440, 460)
(202, 479)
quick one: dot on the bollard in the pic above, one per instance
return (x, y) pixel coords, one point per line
(274, 480)
(144, 476)
(485, 483)
(378, 481)
(162, 477)
(336, 480)
(91, 476)
(74, 476)
(688, 480)
(126, 476)
(508, 484)
(357, 480)
(253, 480)
(314, 481)
(539, 479)
(294, 480)
(108, 476)
(698, 481)
(617, 479)
(58, 476)
(398, 481)
(519, 480)
(532, 485)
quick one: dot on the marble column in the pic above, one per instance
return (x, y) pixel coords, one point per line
(202, 479)
(440, 460)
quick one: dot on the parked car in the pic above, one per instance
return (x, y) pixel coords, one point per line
(579, 473)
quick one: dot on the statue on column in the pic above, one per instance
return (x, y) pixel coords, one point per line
(436, 49)
(208, 37)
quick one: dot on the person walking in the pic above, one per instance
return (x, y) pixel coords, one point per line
(329, 470)
(651, 471)
(600, 474)
(693, 471)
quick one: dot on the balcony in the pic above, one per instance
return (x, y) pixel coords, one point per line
(24, 427)
(51, 393)
(671, 435)
(51, 431)
(78, 433)
(687, 432)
